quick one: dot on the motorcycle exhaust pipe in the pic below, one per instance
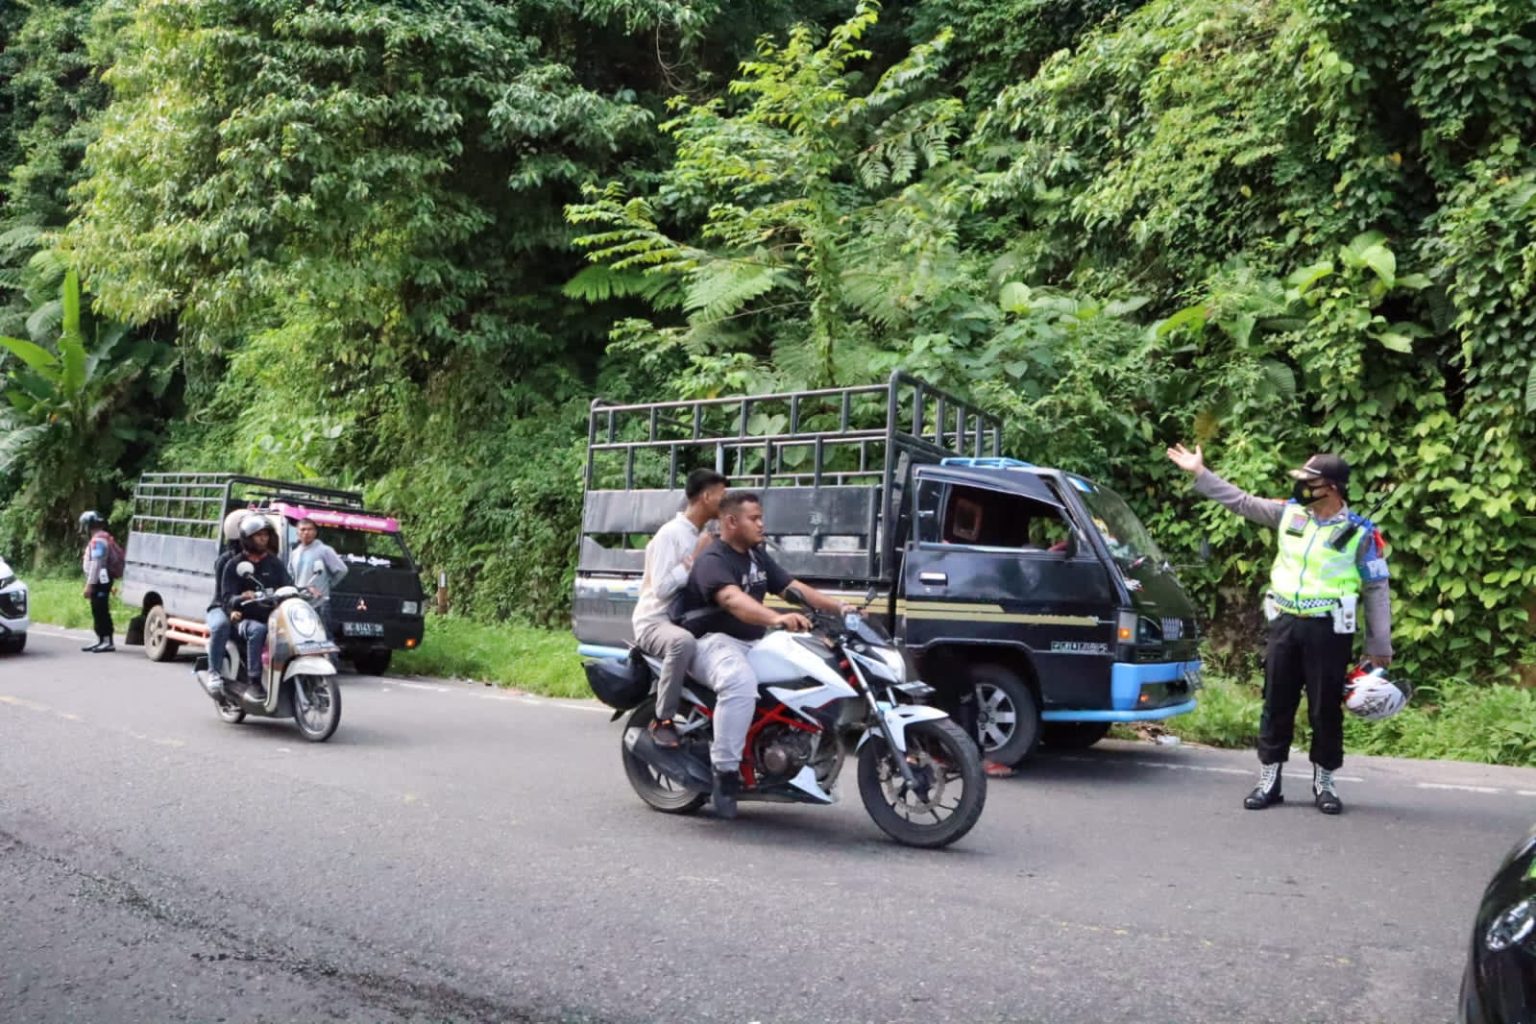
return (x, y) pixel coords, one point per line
(676, 765)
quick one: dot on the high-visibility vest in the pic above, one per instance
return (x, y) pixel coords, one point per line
(1316, 563)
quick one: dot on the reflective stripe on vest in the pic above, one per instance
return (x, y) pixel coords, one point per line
(1309, 572)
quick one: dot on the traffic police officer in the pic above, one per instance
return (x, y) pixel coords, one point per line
(1330, 569)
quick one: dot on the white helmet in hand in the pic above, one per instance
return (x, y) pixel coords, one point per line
(1369, 694)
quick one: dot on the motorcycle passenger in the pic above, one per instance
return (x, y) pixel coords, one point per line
(723, 606)
(216, 617)
(258, 541)
(668, 557)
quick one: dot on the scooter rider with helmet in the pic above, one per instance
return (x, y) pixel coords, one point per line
(1330, 569)
(258, 545)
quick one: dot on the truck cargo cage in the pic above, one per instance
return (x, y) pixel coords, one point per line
(830, 464)
(195, 504)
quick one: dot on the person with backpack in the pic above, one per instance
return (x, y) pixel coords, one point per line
(102, 564)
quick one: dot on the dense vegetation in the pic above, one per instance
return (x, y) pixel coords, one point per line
(401, 246)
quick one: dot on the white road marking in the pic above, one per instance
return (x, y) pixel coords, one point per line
(1489, 790)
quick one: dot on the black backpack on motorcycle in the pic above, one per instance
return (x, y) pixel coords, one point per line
(621, 683)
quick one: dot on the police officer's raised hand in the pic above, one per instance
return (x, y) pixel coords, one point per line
(1188, 461)
(794, 622)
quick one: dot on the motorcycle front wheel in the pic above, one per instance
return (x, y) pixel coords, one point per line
(655, 788)
(316, 706)
(947, 762)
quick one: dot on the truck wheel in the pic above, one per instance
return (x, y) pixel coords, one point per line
(1008, 714)
(1073, 735)
(156, 645)
(371, 663)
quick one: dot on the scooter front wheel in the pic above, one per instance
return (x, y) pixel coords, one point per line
(316, 706)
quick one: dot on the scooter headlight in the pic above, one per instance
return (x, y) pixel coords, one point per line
(304, 621)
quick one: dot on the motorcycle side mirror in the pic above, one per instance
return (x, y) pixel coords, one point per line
(245, 569)
(793, 596)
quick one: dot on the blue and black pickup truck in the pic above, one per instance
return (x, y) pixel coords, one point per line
(173, 542)
(1038, 587)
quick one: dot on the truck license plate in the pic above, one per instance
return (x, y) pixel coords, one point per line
(362, 628)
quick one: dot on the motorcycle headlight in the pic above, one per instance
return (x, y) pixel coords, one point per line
(883, 662)
(1512, 927)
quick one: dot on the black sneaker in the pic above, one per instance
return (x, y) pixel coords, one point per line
(105, 647)
(726, 789)
(92, 648)
(664, 734)
(1267, 792)
(255, 692)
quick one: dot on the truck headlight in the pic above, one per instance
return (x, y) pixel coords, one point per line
(410, 607)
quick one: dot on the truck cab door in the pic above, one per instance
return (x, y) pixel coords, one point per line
(997, 567)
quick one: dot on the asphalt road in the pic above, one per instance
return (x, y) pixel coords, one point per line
(458, 853)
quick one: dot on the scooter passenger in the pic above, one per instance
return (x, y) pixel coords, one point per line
(216, 617)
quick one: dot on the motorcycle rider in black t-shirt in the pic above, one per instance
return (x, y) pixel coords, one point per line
(722, 604)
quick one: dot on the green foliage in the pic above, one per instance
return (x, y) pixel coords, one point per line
(800, 192)
(50, 94)
(70, 413)
(1453, 720)
(1267, 226)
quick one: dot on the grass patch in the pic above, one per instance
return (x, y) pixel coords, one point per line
(57, 600)
(539, 660)
(1455, 721)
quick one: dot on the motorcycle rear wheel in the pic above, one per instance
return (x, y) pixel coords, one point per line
(943, 750)
(656, 789)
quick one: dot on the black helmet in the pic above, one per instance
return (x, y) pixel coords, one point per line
(253, 524)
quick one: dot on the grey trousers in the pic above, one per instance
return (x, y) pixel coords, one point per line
(674, 645)
(720, 661)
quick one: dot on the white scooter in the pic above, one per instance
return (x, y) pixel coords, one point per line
(296, 669)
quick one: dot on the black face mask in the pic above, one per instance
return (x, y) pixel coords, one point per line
(1304, 494)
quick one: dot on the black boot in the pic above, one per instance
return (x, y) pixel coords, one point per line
(105, 646)
(1323, 794)
(92, 648)
(1267, 792)
(726, 789)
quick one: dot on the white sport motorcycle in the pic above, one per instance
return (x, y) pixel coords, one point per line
(844, 683)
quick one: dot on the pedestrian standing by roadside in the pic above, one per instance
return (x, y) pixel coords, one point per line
(1329, 562)
(668, 557)
(315, 566)
(102, 563)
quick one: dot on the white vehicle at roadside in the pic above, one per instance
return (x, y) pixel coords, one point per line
(13, 612)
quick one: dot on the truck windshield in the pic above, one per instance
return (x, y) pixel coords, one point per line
(363, 547)
(1128, 541)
